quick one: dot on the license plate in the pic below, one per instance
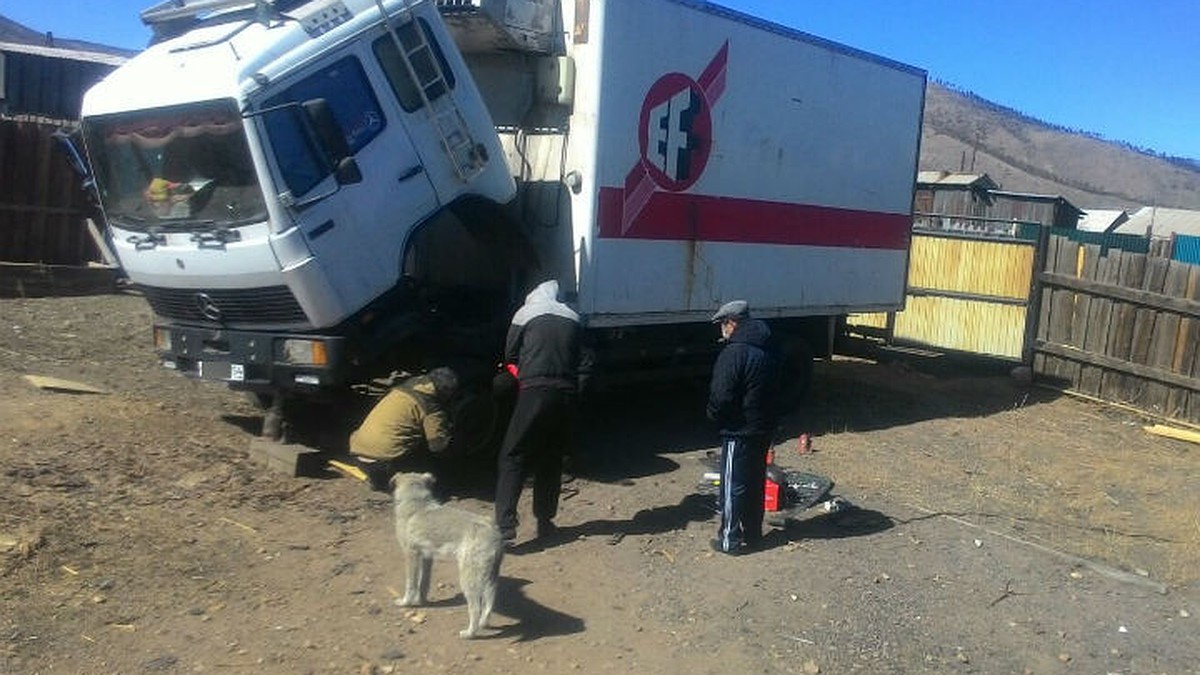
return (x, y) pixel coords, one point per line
(221, 370)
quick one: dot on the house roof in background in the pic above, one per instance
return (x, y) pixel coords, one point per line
(1035, 197)
(1102, 220)
(953, 179)
(60, 53)
(18, 38)
(1161, 222)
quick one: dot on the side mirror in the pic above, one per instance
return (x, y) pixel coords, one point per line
(70, 142)
(333, 141)
(66, 141)
(347, 172)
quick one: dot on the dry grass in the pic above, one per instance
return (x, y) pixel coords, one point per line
(1063, 473)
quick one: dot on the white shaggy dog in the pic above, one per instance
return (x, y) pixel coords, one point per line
(427, 529)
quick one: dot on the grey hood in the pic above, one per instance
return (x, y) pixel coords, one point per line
(543, 300)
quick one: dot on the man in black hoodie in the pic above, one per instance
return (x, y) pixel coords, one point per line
(544, 344)
(742, 401)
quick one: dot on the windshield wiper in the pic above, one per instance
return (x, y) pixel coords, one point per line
(153, 239)
(216, 236)
(126, 218)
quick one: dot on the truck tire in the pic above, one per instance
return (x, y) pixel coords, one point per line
(475, 418)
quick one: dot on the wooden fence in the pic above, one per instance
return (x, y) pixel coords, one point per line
(43, 208)
(966, 293)
(1121, 326)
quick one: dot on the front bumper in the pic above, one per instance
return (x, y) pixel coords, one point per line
(254, 360)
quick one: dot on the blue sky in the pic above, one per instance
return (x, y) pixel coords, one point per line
(1127, 70)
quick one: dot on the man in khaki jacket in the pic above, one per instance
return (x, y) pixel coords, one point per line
(413, 418)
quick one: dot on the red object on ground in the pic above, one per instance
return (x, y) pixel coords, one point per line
(512, 369)
(772, 496)
(804, 444)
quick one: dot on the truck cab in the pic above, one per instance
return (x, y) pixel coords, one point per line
(285, 183)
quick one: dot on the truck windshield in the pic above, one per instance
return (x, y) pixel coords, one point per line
(179, 167)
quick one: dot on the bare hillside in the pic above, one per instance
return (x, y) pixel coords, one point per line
(964, 132)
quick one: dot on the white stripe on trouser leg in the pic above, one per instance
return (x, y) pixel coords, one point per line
(727, 523)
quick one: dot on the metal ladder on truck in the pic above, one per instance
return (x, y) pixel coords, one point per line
(443, 111)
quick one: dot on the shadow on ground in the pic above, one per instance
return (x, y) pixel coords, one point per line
(812, 524)
(631, 432)
(537, 620)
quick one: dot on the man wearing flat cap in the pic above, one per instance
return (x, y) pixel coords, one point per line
(742, 401)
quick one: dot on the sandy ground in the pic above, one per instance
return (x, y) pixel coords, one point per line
(999, 529)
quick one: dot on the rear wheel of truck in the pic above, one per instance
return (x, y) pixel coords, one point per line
(475, 417)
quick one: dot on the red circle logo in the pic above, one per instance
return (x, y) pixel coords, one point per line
(675, 132)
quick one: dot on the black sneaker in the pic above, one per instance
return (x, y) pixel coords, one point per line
(379, 475)
(546, 529)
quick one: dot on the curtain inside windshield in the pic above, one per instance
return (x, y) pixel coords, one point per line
(175, 165)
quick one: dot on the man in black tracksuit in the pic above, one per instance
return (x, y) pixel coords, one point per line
(743, 402)
(544, 343)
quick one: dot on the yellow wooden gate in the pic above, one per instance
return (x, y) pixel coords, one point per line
(966, 293)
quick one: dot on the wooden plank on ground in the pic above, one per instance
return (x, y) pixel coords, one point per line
(61, 385)
(292, 459)
(1174, 432)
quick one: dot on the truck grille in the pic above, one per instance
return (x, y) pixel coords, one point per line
(224, 306)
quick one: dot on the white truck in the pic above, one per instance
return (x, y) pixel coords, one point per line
(313, 192)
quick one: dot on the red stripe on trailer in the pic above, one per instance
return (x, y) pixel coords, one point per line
(690, 217)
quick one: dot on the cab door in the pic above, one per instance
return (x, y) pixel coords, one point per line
(356, 231)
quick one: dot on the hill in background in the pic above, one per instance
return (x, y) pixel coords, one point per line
(963, 132)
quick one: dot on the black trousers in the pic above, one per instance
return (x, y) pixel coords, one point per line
(539, 435)
(743, 476)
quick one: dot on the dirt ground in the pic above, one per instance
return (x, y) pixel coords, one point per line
(1000, 529)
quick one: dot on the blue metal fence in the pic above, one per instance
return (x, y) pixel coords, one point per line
(1187, 249)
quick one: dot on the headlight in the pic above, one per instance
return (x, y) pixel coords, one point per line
(304, 352)
(162, 339)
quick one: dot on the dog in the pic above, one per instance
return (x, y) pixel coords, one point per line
(427, 529)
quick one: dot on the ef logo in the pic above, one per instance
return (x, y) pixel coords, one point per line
(675, 132)
(674, 135)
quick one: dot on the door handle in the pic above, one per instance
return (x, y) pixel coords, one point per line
(411, 172)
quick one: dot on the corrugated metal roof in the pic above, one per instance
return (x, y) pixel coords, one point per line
(1102, 220)
(60, 53)
(1160, 222)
